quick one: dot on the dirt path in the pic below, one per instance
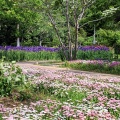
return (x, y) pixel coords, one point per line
(56, 67)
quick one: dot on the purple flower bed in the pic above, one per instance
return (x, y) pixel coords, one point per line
(96, 62)
(93, 48)
(84, 52)
(31, 49)
(103, 63)
(114, 64)
(104, 66)
(42, 48)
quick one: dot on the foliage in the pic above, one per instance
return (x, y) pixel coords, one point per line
(20, 12)
(60, 93)
(35, 26)
(48, 53)
(81, 37)
(97, 66)
(110, 11)
(10, 78)
(94, 52)
(108, 37)
(93, 55)
(14, 83)
(62, 56)
(1, 117)
(107, 14)
(27, 56)
(88, 41)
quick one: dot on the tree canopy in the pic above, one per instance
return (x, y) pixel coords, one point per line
(64, 23)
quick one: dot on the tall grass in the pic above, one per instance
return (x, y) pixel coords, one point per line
(27, 56)
(20, 55)
(92, 55)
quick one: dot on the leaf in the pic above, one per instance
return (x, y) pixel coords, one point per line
(9, 79)
(13, 62)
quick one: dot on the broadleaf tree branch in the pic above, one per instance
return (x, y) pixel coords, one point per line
(86, 4)
(53, 22)
(92, 21)
(96, 19)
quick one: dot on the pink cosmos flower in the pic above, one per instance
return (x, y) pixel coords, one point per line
(10, 118)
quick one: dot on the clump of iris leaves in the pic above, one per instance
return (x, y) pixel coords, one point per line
(48, 53)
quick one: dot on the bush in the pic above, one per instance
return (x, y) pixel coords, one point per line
(108, 37)
(11, 77)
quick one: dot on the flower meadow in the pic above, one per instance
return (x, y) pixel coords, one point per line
(29, 53)
(104, 66)
(67, 95)
(49, 53)
(51, 49)
(94, 53)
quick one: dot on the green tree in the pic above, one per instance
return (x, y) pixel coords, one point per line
(17, 22)
(72, 12)
(94, 16)
(108, 37)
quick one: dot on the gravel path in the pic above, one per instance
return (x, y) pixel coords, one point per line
(56, 67)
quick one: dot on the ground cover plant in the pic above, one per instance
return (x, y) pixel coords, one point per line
(102, 66)
(65, 95)
(48, 53)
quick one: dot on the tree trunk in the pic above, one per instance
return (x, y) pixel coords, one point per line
(57, 33)
(40, 43)
(68, 26)
(76, 39)
(18, 39)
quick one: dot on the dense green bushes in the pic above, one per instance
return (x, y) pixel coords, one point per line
(108, 37)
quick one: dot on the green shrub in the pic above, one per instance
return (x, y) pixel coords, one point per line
(108, 37)
(11, 77)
